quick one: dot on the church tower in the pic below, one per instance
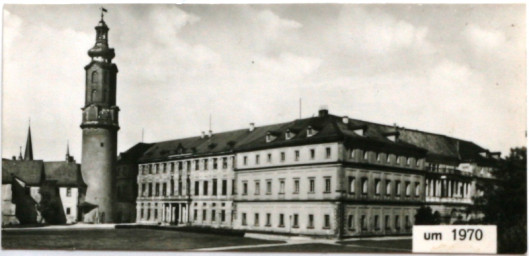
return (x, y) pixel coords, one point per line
(100, 127)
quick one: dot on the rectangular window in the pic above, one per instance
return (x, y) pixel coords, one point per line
(143, 188)
(215, 164)
(233, 187)
(257, 159)
(214, 192)
(257, 187)
(311, 221)
(205, 188)
(68, 192)
(281, 186)
(281, 220)
(364, 186)
(352, 185)
(205, 164)
(418, 189)
(386, 222)
(295, 222)
(224, 187)
(245, 188)
(67, 210)
(282, 156)
(296, 155)
(296, 186)
(397, 222)
(213, 215)
(268, 220)
(204, 214)
(157, 191)
(377, 186)
(223, 215)
(397, 188)
(195, 215)
(164, 189)
(179, 188)
(244, 160)
(327, 221)
(312, 154)
(327, 152)
(408, 188)
(256, 220)
(269, 187)
(351, 222)
(150, 189)
(155, 212)
(196, 165)
(188, 165)
(388, 187)
(327, 185)
(311, 185)
(224, 163)
(363, 222)
(376, 223)
(408, 223)
(269, 158)
(243, 219)
(180, 166)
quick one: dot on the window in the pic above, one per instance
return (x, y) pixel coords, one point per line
(409, 160)
(418, 189)
(351, 222)
(188, 165)
(257, 187)
(296, 186)
(281, 220)
(243, 219)
(366, 155)
(233, 187)
(256, 159)
(327, 152)
(295, 223)
(205, 164)
(326, 221)
(296, 154)
(148, 213)
(224, 162)
(268, 220)
(282, 156)
(196, 165)
(214, 192)
(269, 157)
(143, 188)
(311, 221)
(179, 187)
(180, 166)
(388, 187)
(215, 164)
(408, 188)
(68, 192)
(155, 211)
(376, 223)
(386, 222)
(379, 157)
(312, 153)
(163, 168)
(213, 215)
(397, 188)
(363, 222)
(397, 222)
(398, 159)
(377, 186)
(327, 185)
(204, 214)
(364, 186)
(164, 189)
(244, 160)
(141, 211)
(222, 216)
(311, 185)
(269, 187)
(68, 210)
(157, 191)
(256, 220)
(205, 188)
(352, 187)
(195, 215)
(224, 187)
(150, 189)
(282, 186)
(245, 188)
(353, 151)
(408, 222)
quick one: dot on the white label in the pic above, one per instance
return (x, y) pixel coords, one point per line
(454, 239)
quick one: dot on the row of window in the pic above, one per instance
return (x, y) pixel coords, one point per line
(351, 222)
(282, 156)
(281, 223)
(296, 181)
(168, 189)
(364, 183)
(380, 157)
(213, 215)
(216, 163)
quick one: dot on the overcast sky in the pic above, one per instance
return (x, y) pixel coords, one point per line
(458, 70)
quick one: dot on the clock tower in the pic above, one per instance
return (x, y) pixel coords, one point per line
(100, 127)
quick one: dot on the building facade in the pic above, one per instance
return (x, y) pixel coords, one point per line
(324, 176)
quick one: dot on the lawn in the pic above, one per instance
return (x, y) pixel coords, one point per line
(385, 246)
(118, 239)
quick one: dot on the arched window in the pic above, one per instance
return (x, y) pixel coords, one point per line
(364, 185)
(93, 95)
(95, 77)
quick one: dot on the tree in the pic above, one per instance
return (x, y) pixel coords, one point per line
(424, 216)
(504, 202)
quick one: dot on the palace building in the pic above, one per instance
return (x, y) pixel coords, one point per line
(325, 175)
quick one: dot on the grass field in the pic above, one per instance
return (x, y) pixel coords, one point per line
(161, 240)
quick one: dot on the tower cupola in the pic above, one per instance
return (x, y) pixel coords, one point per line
(101, 51)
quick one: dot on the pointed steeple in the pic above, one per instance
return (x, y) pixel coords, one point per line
(28, 154)
(68, 157)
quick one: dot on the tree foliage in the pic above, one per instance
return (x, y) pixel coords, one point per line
(424, 216)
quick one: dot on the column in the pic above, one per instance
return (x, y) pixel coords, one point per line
(139, 190)
(180, 219)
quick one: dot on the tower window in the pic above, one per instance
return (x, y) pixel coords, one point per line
(95, 77)
(102, 144)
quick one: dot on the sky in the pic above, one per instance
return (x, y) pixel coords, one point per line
(458, 70)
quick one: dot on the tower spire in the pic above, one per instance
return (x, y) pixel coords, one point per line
(20, 154)
(28, 154)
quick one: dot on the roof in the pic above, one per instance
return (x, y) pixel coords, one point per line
(28, 171)
(328, 128)
(65, 174)
(133, 153)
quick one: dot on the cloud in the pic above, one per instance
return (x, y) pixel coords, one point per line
(273, 26)
(484, 39)
(288, 65)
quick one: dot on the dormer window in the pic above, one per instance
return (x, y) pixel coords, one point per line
(311, 131)
(483, 154)
(360, 130)
(271, 136)
(394, 136)
(289, 134)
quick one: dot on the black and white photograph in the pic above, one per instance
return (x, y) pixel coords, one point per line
(266, 128)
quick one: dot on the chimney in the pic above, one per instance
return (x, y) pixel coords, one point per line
(14, 158)
(203, 135)
(252, 127)
(210, 133)
(345, 119)
(323, 111)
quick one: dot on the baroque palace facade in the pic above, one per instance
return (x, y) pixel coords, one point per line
(326, 175)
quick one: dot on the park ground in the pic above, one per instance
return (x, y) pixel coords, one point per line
(172, 240)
